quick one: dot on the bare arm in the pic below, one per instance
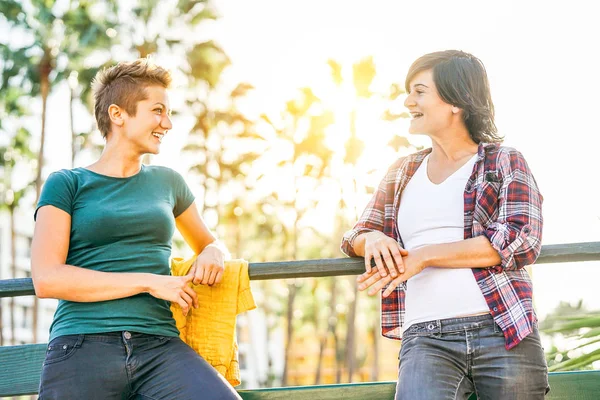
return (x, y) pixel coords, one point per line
(476, 252)
(52, 278)
(469, 253)
(209, 266)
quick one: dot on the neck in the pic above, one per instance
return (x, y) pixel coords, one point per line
(453, 145)
(117, 160)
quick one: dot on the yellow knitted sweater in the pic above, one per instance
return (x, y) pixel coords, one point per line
(210, 328)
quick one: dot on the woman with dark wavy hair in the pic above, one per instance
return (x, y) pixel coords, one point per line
(450, 230)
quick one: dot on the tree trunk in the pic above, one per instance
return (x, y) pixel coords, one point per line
(338, 357)
(13, 270)
(45, 70)
(351, 338)
(316, 325)
(290, 331)
(375, 329)
(331, 322)
(291, 298)
(72, 125)
(266, 306)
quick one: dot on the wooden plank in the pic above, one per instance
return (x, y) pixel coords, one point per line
(306, 268)
(20, 369)
(569, 252)
(354, 391)
(16, 287)
(555, 253)
(580, 385)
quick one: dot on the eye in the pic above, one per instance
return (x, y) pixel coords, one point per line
(158, 110)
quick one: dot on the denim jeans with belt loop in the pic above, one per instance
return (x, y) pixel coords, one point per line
(453, 358)
(128, 365)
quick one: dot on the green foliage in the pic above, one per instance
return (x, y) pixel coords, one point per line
(581, 329)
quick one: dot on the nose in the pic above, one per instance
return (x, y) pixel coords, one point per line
(165, 123)
(409, 101)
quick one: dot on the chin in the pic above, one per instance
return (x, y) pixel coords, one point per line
(154, 151)
(416, 132)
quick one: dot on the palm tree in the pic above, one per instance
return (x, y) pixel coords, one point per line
(84, 35)
(223, 145)
(57, 35)
(363, 74)
(301, 128)
(17, 152)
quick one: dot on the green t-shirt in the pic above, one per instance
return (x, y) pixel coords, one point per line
(118, 225)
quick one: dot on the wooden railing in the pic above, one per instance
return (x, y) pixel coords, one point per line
(20, 366)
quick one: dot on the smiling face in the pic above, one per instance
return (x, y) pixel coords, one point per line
(145, 130)
(430, 114)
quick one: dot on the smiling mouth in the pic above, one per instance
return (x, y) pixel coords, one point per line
(158, 135)
(416, 115)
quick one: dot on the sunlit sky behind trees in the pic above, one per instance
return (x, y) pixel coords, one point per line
(542, 61)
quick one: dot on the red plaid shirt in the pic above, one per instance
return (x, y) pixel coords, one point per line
(502, 202)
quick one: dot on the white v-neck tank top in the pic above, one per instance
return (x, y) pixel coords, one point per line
(434, 214)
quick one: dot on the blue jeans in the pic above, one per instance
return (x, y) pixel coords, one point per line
(128, 365)
(453, 358)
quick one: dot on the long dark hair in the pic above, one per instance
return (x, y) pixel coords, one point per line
(462, 81)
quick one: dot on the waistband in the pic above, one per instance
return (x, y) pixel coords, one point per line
(110, 337)
(450, 325)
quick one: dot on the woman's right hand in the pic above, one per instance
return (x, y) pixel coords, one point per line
(175, 289)
(387, 254)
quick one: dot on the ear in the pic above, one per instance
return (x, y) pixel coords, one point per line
(116, 115)
(455, 110)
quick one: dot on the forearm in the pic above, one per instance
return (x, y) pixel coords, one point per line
(469, 253)
(68, 282)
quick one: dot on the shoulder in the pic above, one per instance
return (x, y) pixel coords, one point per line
(416, 157)
(168, 177)
(502, 153)
(62, 178)
(407, 164)
(504, 158)
(160, 171)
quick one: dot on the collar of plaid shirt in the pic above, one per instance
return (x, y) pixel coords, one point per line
(502, 201)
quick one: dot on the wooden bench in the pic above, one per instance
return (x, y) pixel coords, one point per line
(20, 366)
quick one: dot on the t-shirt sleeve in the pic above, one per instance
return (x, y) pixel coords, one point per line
(183, 195)
(58, 191)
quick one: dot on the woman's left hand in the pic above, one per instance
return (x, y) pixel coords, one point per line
(414, 263)
(209, 266)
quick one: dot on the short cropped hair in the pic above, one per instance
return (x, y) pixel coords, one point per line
(125, 85)
(462, 81)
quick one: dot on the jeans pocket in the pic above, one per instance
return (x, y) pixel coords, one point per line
(62, 348)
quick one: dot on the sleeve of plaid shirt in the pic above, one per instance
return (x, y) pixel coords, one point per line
(372, 218)
(517, 232)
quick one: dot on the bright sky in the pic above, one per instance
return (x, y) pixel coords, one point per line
(541, 58)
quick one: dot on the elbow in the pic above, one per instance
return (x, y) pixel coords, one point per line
(42, 288)
(42, 284)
